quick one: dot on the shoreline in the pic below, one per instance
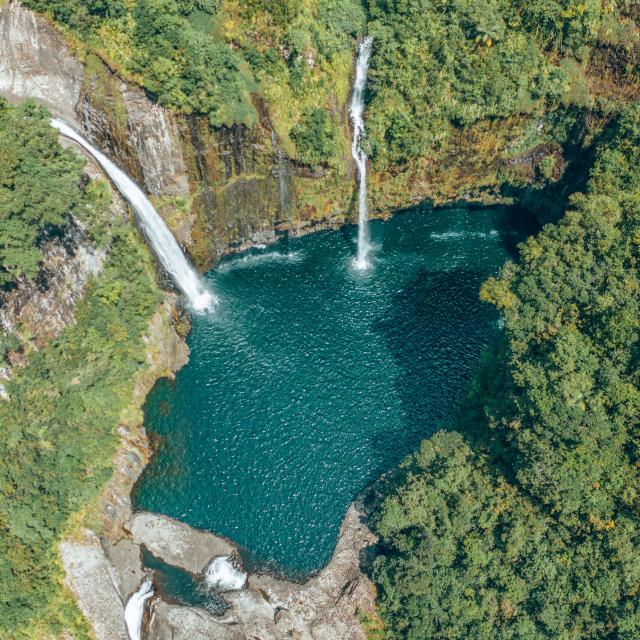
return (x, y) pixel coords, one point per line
(115, 550)
(362, 497)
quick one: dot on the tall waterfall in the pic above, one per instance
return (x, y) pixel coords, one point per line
(134, 611)
(356, 111)
(156, 231)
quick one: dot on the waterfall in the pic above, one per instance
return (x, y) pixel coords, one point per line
(283, 177)
(134, 611)
(356, 111)
(153, 226)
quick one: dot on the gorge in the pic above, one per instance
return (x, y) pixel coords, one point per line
(440, 444)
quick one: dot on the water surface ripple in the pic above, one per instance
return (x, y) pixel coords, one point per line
(311, 379)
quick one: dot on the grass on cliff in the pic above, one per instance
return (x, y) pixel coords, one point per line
(57, 434)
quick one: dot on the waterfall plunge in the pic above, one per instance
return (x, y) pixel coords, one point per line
(356, 111)
(156, 231)
(134, 611)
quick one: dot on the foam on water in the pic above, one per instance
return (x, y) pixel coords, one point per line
(254, 259)
(223, 576)
(456, 235)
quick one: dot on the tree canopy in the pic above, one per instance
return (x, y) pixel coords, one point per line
(524, 523)
(39, 188)
(57, 434)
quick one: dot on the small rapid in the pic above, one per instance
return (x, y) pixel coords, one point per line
(221, 574)
(134, 610)
(153, 226)
(356, 111)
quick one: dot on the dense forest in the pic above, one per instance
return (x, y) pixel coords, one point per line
(522, 522)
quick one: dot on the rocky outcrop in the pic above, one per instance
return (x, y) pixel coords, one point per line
(102, 573)
(138, 135)
(326, 607)
(218, 190)
(166, 353)
(177, 543)
(91, 578)
(44, 306)
(36, 63)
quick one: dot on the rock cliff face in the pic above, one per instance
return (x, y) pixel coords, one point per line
(222, 190)
(45, 306)
(35, 62)
(218, 190)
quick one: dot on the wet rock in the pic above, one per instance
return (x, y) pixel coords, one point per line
(126, 559)
(324, 608)
(139, 135)
(172, 622)
(155, 138)
(177, 543)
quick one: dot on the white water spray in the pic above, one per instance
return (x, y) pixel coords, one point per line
(134, 611)
(222, 575)
(356, 111)
(160, 238)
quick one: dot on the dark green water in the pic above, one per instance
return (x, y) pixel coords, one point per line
(179, 587)
(310, 380)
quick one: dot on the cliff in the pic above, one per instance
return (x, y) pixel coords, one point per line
(223, 189)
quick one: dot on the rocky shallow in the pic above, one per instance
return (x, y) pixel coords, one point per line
(103, 574)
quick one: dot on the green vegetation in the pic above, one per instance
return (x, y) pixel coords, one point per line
(38, 189)
(521, 524)
(315, 137)
(207, 56)
(524, 522)
(438, 66)
(58, 431)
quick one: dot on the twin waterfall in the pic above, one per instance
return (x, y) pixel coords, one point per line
(153, 226)
(162, 241)
(356, 111)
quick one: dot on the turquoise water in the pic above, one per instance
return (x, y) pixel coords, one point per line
(310, 380)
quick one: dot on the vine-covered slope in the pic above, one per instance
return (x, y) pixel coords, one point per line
(57, 433)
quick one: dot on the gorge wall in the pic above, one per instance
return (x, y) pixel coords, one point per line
(226, 188)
